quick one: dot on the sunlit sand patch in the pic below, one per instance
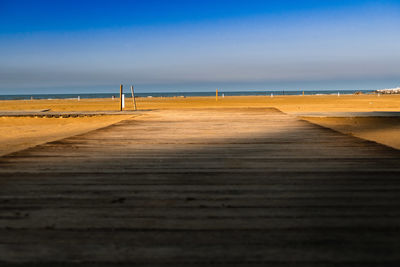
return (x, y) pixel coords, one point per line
(383, 130)
(18, 133)
(308, 103)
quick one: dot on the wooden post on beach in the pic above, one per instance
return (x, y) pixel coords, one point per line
(133, 98)
(120, 97)
(216, 95)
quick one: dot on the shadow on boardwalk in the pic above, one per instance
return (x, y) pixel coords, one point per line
(228, 187)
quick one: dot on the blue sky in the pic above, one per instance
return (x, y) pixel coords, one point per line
(92, 46)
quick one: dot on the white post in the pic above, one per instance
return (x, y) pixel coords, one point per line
(123, 100)
(79, 98)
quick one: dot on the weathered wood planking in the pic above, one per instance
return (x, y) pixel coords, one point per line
(63, 114)
(223, 187)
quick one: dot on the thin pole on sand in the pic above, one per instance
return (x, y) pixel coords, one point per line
(120, 97)
(216, 95)
(133, 98)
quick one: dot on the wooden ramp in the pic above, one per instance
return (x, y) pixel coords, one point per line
(222, 187)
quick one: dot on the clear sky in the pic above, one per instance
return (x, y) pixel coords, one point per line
(93, 46)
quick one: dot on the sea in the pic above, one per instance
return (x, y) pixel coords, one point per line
(180, 94)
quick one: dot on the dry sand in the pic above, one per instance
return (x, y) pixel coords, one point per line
(378, 129)
(19, 133)
(319, 103)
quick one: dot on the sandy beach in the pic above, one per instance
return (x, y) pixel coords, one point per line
(308, 103)
(20, 133)
(383, 130)
(252, 133)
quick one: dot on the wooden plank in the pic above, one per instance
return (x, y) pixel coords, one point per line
(223, 187)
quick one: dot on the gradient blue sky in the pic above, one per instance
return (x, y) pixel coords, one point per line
(92, 46)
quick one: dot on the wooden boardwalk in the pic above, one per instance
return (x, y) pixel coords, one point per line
(46, 113)
(222, 187)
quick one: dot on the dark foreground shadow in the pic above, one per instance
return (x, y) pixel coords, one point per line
(298, 195)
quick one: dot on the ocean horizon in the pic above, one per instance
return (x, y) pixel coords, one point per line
(179, 94)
